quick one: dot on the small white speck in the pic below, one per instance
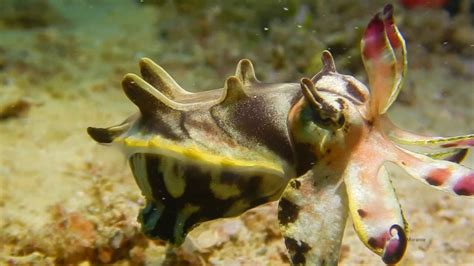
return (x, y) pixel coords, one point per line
(418, 254)
(299, 26)
(265, 28)
(285, 8)
(356, 28)
(445, 43)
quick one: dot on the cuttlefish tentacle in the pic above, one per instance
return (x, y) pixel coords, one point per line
(319, 205)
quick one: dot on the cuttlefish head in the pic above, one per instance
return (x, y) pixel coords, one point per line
(340, 124)
(331, 114)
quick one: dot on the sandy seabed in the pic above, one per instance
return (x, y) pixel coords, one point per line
(64, 199)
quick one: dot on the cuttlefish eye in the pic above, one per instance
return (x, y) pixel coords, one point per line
(325, 111)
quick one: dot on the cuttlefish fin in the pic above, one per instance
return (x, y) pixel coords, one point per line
(384, 57)
(312, 214)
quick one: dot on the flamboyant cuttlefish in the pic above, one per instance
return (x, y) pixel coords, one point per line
(318, 146)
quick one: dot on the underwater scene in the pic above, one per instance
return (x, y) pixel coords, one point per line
(285, 132)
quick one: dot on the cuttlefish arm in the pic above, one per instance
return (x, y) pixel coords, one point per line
(403, 137)
(373, 205)
(384, 56)
(375, 211)
(441, 174)
(316, 203)
(374, 208)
